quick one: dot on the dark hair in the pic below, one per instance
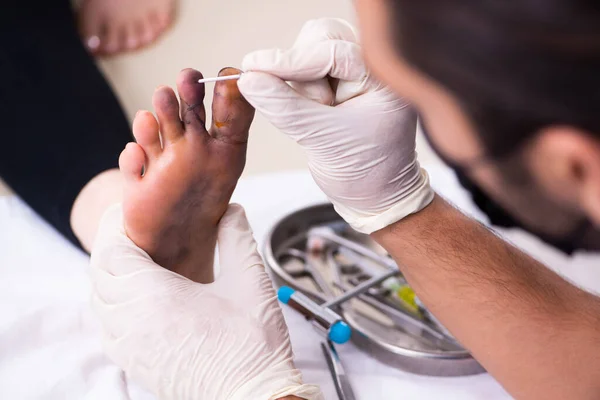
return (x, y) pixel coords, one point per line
(516, 66)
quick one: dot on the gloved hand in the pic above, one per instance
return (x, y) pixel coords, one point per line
(188, 341)
(359, 138)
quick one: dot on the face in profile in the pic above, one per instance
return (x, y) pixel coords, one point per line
(550, 178)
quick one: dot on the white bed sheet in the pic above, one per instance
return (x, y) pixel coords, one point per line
(49, 339)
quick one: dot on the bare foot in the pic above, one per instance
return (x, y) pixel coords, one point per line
(173, 209)
(113, 26)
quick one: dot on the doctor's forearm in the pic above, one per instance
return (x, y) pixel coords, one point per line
(536, 333)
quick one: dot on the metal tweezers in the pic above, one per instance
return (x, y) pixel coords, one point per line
(340, 379)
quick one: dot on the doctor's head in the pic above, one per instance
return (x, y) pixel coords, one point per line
(509, 92)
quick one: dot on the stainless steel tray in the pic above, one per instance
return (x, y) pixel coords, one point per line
(378, 335)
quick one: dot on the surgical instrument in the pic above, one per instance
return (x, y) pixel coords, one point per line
(340, 379)
(328, 233)
(376, 299)
(402, 345)
(308, 269)
(403, 319)
(324, 319)
(362, 287)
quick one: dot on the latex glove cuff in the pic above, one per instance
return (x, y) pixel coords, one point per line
(419, 198)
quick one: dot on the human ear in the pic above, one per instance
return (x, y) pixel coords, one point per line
(566, 161)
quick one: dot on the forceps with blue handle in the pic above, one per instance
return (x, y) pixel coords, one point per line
(340, 379)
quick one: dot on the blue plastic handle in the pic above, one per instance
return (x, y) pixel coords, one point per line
(285, 293)
(340, 332)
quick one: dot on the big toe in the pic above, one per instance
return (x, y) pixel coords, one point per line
(93, 26)
(94, 34)
(231, 113)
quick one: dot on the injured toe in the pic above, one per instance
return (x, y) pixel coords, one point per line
(232, 114)
(193, 113)
(166, 106)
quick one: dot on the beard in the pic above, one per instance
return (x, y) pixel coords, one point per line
(511, 197)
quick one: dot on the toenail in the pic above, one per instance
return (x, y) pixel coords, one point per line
(93, 42)
(232, 68)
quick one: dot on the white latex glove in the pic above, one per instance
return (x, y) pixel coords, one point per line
(188, 341)
(360, 140)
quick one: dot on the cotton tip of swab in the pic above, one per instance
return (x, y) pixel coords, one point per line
(220, 78)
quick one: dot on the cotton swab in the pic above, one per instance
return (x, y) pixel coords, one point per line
(220, 78)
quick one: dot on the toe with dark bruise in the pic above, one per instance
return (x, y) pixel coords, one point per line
(191, 94)
(232, 115)
(167, 110)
